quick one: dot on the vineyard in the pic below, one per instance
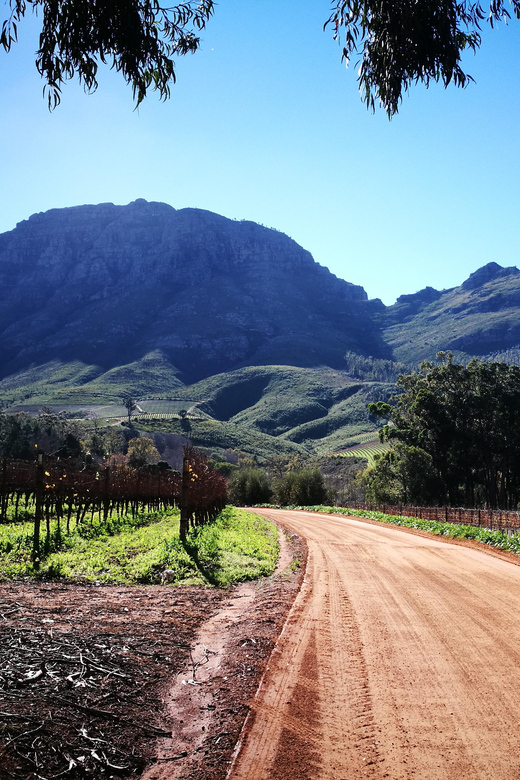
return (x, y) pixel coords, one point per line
(168, 408)
(148, 408)
(59, 494)
(360, 438)
(367, 449)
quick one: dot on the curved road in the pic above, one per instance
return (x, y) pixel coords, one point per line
(400, 659)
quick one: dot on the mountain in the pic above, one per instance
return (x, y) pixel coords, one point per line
(478, 319)
(106, 286)
(233, 319)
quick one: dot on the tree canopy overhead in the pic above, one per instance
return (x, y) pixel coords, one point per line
(402, 42)
(139, 38)
(399, 42)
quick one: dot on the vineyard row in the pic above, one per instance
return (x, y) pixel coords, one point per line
(58, 488)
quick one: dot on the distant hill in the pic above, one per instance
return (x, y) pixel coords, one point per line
(277, 352)
(480, 318)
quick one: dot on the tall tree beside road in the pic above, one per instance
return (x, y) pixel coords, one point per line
(467, 419)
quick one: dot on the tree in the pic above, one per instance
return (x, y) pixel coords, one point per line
(142, 452)
(304, 487)
(402, 42)
(130, 406)
(138, 38)
(399, 42)
(249, 486)
(467, 419)
(402, 475)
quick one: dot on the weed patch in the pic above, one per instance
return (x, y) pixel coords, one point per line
(128, 550)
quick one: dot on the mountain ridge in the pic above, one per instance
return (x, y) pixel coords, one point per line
(107, 284)
(96, 297)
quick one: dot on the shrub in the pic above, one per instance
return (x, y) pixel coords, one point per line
(249, 486)
(303, 487)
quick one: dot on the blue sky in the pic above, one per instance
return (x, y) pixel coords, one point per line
(266, 124)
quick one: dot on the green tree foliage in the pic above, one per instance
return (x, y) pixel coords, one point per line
(402, 475)
(305, 487)
(399, 43)
(138, 38)
(142, 452)
(249, 486)
(373, 369)
(467, 419)
(402, 42)
(21, 435)
(102, 443)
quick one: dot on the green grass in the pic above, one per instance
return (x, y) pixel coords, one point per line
(237, 546)
(497, 539)
(215, 434)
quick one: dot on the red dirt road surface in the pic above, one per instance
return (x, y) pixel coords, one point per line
(400, 659)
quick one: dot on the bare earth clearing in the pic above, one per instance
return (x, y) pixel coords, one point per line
(400, 658)
(102, 682)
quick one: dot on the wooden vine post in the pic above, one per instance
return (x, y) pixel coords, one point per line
(38, 510)
(106, 494)
(185, 486)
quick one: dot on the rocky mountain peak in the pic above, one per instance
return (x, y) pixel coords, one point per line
(488, 273)
(106, 283)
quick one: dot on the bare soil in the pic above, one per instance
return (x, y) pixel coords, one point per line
(152, 682)
(400, 659)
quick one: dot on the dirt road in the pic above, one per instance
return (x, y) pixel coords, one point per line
(400, 659)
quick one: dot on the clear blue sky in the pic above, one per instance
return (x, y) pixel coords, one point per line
(266, 124)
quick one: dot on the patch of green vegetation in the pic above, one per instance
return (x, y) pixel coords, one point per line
(215, 434)
(238, 546)
(334, 432)
(58, 382)
(273, 399)
(128, 550)
(260, 410)
(367, 451)
(39, 384)
(497, 539)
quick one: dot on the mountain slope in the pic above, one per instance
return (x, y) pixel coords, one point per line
(107, 285)
(480, 317)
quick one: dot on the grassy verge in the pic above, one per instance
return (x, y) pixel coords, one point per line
(453, 530)
(237, 546)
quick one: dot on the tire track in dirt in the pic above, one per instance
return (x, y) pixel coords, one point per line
(399, 660)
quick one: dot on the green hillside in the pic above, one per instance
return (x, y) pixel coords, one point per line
(216, 435)
(262, 411)
(479, 318)
(60, 382)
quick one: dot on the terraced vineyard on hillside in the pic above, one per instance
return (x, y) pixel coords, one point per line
(367, 449)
